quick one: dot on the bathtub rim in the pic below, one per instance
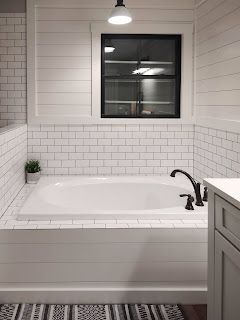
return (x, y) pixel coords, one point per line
(175, 213)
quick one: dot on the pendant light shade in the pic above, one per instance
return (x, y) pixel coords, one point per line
(120, 14)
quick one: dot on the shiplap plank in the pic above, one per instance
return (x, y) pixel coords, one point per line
(63, 86)
(163, 4)
(205, 6)
(219, 69)
(64, 62)
(71, 272)
(67, 38)
(64, 110)
(71, 98)
(135, 252)
(219, 11)
(110, 285)
(219, 112)
(63, 14)
(227, 52)
(64, 74)
(63, 26)
(197, 3)
(219, 98)
(103, 236)
(228, 82)
(63, 51)
(222, 39)
(227, 22)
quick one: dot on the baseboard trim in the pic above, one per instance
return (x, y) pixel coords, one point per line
(104, 296)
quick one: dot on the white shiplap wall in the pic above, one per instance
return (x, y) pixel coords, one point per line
(103, 266)
(218, 62)
(63, 47)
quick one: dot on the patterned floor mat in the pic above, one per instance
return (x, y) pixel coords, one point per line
(90, 312)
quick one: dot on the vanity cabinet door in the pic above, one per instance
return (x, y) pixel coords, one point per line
(228, 220)
(227, 280)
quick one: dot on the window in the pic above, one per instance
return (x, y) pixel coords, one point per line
(141, 76)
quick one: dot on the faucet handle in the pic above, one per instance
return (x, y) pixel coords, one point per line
(199, 199)
(190, 200)
(205, 195)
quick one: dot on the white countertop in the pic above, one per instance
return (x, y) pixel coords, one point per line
(228, 189)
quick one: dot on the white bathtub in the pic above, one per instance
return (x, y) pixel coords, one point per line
(78, 197)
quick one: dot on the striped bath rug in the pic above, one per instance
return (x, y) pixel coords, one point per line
(90, 312)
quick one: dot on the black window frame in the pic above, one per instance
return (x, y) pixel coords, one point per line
(176, 77)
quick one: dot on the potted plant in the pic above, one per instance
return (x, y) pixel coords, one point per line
(33, 169)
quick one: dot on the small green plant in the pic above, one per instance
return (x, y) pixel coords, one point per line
(32, 166)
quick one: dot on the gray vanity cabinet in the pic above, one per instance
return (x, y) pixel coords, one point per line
(227, 280)
(224, 257)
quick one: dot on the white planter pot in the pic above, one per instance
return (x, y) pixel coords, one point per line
(33, 177)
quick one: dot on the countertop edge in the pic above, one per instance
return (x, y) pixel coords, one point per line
(211, 184)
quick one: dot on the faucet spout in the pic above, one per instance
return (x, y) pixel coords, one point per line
(196, 186)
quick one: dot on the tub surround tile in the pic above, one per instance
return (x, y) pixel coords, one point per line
(71, 226)
(139, 225)
(117, 226)
(94, 226)
(111, 149)
(126, 221)
(162, 225)
(148, 221)
(185, 225)
(8, 220)
(65, 222)
(13, 69)
(13, 154)
(105, 221)
(25, 226)
(83, 221)
(42, 222)
(47, 226)
(216, 153)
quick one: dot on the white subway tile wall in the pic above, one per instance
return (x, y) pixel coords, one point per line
(12, 69)
(111, 149)
(13, 154)
(216, 153)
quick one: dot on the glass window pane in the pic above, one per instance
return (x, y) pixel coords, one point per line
(158, 50)
(123, 60)
(157, 68)
(121, 97)
(157, 97)
(158, 55)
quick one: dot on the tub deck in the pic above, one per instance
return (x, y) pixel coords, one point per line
(9, 220)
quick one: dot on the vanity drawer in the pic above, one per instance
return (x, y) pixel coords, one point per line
(227, 219)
